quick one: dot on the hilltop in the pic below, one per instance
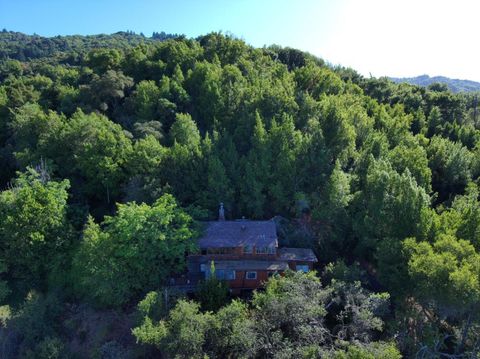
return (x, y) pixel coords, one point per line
(20, 46)
(454, 85)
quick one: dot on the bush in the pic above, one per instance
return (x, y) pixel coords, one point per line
(212, 292)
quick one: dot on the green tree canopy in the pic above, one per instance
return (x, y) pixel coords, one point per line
(34, 231)
(133, 252)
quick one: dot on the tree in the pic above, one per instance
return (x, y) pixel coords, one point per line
(102, 60)
(218, 187)
(184, 131)
(402, 202)
(291, 315)
(203, 85)
(142, 165)
(446, 275)
(34, 231)
(317, 80)
(34, 327)
(226, 48)
(434, 122)
(212, 292)
(95, 151)
(284, 143)
(376, 350)
(330, 205)
(133, 252)
(146, 156)
(182, 335)
(391, 205)
(450, 164)
(339, 134)
(184, 331)
(177, 52)
(463, 217)
(253, 188)
(294, 317)
(32, 131)
(145, 102)
(106, 91)
(150, 128)
(315, 158)
(414, 158)
(446, 271)
(234, 333)
(88, 149)
(4, 288)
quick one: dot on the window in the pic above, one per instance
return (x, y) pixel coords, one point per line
(247, 249)
(220, 273)
(261, 250)
(221, 250)
(265, 250)
(302, 268)
(251, 275)
(230, 274)
(203, 267)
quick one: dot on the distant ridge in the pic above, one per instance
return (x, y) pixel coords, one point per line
(453, 84)
(23, 47)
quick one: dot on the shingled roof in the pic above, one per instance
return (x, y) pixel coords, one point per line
(220, 234)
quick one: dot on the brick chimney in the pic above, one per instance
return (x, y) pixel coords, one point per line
(221, 213)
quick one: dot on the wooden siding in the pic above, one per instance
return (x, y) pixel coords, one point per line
(241, 282)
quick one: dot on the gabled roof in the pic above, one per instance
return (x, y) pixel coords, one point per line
(297, 254)
(219, 234)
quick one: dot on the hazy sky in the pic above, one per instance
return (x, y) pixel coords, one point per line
(381, 37)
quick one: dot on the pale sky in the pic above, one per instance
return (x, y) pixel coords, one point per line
(407, 38)
(400, 38)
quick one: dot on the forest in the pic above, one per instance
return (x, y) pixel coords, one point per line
(114, 148)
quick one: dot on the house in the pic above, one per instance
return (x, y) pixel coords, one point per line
(245, 253)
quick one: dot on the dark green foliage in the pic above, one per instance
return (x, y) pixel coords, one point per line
(182, 336)
(354, 166)
(290, 319)
(133, 252)
(212, 293)
(35, 326)
(450, 164)
(34, 232)
(22, 47)
(391, 205)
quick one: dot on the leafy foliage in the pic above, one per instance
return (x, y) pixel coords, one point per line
(134, 251)
(212, 293)
(379, 177)
(34, 230)
(288, 320)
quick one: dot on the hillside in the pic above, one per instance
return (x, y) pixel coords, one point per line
(454, 85)
(114, 149)
(19, 46)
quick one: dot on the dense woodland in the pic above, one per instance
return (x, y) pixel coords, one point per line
(114, 148)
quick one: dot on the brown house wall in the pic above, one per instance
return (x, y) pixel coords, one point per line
(240, 280)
